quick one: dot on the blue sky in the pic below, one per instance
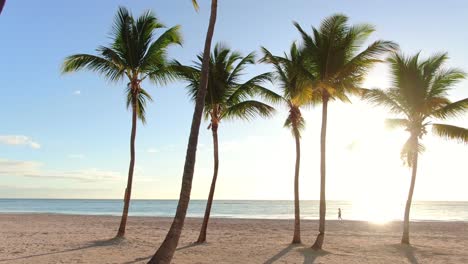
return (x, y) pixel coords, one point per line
(67, 136)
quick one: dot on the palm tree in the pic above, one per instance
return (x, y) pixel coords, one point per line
(418, 96)
(333, 57)
(293, 80)
(166, 251)
(227, 99)
(136, 55)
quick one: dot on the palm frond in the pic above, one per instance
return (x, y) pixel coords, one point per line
(364, 61)
(108, 69)
(234, 74)
(459, 134)
(443, 80)
(409, 149)
(381, 98)
(141, 97)
(247, 110)
(455, 109)
(195, 5)
(250, 88)
(156, 52)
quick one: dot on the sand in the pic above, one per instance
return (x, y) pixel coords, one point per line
(44, 238)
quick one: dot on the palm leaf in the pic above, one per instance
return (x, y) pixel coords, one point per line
(247, 110)
(459, 134)
(381, 98)
(195, 5)
(157, 50)
(97, 64)
(455, 109)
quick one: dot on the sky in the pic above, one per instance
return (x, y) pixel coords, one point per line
(67, 136)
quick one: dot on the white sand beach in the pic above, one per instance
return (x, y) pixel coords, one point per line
(44, 238)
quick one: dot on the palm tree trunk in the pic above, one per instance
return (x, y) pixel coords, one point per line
(166, 251)
(2, 3)
(405, 239)
(128, 190)
(323, 134)
(297, 214)
(202, 236)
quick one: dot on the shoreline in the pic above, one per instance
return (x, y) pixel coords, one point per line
(238, 218)
(55, 238)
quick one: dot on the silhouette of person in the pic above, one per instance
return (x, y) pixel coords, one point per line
(339, 214)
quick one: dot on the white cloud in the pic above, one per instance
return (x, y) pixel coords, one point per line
(76, 156)
(35, 170)
(152, 150)
(19, 140)
(77, 92)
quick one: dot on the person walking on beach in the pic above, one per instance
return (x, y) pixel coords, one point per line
(339, 214)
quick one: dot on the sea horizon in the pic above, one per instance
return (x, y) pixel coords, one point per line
(239, 209)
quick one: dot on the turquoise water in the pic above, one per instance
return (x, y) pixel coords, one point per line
(430, 211)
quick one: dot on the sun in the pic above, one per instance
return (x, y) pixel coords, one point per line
(377, 210)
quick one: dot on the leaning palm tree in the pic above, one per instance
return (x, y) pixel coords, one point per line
(135, 55)
(293, 79)
(2, 4)
(339, 67)
(166, 251)
(227, 99)
(418, 96)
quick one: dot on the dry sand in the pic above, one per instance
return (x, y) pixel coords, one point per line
(40, 238)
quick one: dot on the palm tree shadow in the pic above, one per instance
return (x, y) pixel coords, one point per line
(148, 257)
(408, 252)
(194, 244)
(92, 244)
(280, 254)
(310, 255)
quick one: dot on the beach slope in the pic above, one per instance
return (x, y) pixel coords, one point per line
(43, 238)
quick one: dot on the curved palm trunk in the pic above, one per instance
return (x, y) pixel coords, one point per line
(166, 251)
(297, 214)
(128, 190)
(2, 4)
(202, 236)
(405, 239)
(323, 134)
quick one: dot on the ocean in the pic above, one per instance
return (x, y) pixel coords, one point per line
(249, 209)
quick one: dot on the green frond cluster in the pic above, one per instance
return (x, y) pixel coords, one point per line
(134, 53)
(227, 97)
(411, 148)
(295, 81)
(332, 54)
(418, 94)
(141, 98)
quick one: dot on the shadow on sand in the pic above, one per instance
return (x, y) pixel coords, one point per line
(92, 244)
(148, 257)
(309, 254)
(280, 254)
(408, 251)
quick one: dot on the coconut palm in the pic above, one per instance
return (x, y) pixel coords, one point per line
(135, 55)
(333, 55)
(293, 79)
(166, 251)
(227, 99)
(418, 97)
